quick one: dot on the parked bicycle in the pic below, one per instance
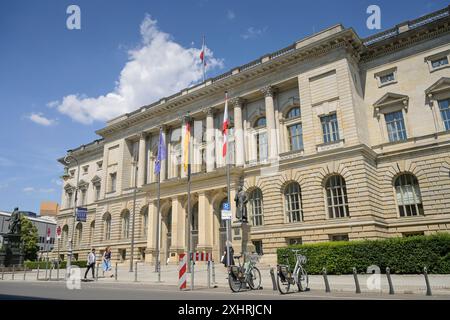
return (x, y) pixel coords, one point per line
(299, 277)
(242, 275)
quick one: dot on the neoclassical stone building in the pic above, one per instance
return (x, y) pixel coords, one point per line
(334, 137)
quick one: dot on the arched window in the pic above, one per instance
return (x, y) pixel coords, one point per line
(256, 206)
(408, 196)
(78, 234)
(91, 232)
(293, 202)
(65, 235)
(125, 219)
(260, 122)
(107, 226)
(293, 113)
(337, 201)
(144, 219)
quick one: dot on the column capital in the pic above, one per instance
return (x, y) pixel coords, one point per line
(209, 111)
(143, 135)
(268, 91)
(237, 102)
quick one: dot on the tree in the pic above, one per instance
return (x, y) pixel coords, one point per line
(29, 236)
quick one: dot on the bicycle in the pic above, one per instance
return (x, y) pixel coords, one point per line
(299, 277)
(241, 275)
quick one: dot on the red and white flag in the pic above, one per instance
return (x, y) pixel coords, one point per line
(225, 126)
(202, 53)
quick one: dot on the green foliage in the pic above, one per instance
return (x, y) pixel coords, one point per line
(402, 255)
(29, 235)
(62, 264)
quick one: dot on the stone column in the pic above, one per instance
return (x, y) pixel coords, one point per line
(238, 132)
(141, 161)
(178, 226)
(270, 118)
(151, 233)
(210, 153)
(164, 162)
(205, 215)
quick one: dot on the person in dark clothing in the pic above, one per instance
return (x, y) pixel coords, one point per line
(224, 257)
(91, 263)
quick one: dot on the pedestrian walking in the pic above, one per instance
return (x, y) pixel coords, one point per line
(91, 264)
(224, 256)
(107, 261)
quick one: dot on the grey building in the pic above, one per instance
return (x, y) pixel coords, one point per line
(42, 224)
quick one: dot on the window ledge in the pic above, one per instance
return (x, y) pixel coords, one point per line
(330, 145)
(440, 68)
(381, 85)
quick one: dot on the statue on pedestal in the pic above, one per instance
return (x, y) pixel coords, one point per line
(241, 205)
(15, 224)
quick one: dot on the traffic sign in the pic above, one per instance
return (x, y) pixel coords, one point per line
(48, 234)
(58, 232)
(81, 214)
(226, 206)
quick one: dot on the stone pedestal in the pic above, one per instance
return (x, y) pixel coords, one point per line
(11, 252)
(240, 238)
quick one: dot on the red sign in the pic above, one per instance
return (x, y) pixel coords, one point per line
(58, 231)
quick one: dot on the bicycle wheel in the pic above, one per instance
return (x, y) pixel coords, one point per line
(235, 284)
(283, 284)
(254, 279)
(302, 279)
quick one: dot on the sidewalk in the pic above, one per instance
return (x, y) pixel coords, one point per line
(413, 284)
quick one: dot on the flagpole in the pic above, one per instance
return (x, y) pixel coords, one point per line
(189, 215)
(204, 59)
(157, 263)
(227, 225)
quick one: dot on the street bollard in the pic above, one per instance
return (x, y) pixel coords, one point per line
(96, 272)
(325, 279)
(427, 282)
(159, 271)
(274, 281)
(51, 270)
(14, 267)
(192, 274)
(57, 271)
(135, 272)
(24, 273)
(388, 276)
(37, 274)
(355, 275)
(115, 272)
(3, 272)
(213, 272)
(46, 269)
(209, 274)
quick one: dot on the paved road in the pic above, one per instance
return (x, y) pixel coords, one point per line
(139, 291)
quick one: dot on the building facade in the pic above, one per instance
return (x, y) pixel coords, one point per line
(333, 138)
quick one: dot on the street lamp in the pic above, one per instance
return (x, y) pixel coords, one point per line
(68, 159)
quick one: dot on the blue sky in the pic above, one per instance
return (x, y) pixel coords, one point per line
(57, 86)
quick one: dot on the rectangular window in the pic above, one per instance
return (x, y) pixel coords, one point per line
(339, 237)
(295, 137)
(97, 191)
(387, 78)
(258, 247)
(294, 241)
(395, 126)
(83, 197)
(439, 62)
(444, 106)
(262, 146)
(113, 179)
(330, 128)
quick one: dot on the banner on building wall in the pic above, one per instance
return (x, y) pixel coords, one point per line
(81, 214)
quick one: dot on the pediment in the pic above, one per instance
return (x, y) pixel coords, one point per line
(96, 179)
(68, 187)
(82, 184)
(443, 84)
(391, 98)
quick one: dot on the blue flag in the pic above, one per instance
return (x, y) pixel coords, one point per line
(161, 153)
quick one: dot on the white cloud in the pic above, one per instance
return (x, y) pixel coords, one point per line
(230, 15)
(41, 190)
(53, 104)
(39, 118)
(58, 182)
(158, 67)
(253, 32)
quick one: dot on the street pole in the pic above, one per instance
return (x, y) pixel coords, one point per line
(189, 224)
(69, 251)
(227, 159)
(134, 214)
(157, 266)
